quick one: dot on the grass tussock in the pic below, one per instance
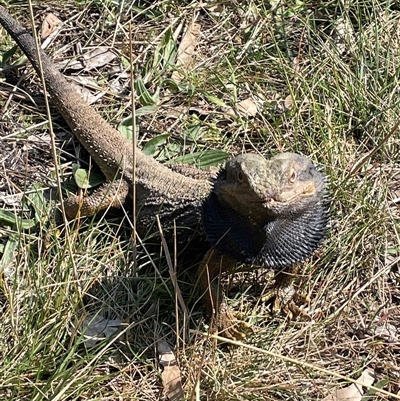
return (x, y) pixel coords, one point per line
(324, 80)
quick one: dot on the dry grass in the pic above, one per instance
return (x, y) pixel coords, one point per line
(333, 99)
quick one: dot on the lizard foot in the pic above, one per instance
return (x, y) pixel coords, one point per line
(229, 323)
(287, 300)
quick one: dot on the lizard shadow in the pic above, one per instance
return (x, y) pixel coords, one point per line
(138, 287)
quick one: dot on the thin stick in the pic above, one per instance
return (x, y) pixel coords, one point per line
(134, 143)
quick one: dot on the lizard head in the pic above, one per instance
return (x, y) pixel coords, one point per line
(268, 212)
(255, 186)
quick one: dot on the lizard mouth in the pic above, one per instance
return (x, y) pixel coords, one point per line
(289, 196)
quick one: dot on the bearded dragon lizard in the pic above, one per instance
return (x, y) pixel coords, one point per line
(261, 212)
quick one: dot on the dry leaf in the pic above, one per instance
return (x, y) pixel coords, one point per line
(246, 108)
(86, 95)
(388, 332)
(12, 200)
(216, 10)
(96, 328)
(94, 58)
(49, 25)
(171, 375)
(186, 49)
(353, 392)
(82, 84)
(288, 102)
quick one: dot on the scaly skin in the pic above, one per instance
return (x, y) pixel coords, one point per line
(260, 212)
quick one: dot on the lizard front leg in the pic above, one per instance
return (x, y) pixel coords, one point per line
(108, 195)
(284, 295)
(222, 318)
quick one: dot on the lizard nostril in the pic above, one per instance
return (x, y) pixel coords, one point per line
(270, 195)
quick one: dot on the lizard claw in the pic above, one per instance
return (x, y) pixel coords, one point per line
(287, 300)
(229, 323)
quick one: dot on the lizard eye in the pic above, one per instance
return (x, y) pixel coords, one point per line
(293, 176)
(222, 175)
(240, 177)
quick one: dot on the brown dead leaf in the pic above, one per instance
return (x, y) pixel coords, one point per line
(89, 60)
(246, 108)
(186, 50)
(353, 392)
(49, 25)
(171, 375)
